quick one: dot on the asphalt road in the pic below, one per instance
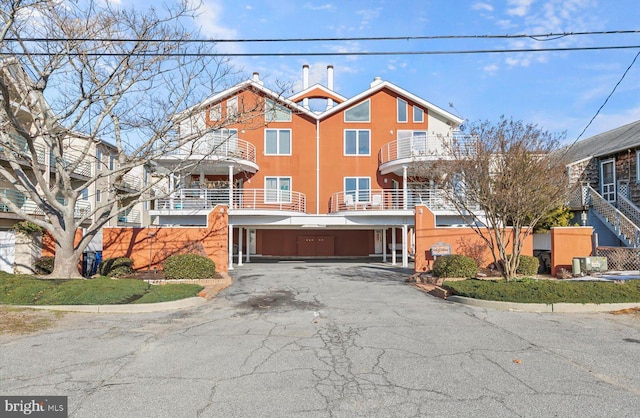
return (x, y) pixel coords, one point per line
(330, 340)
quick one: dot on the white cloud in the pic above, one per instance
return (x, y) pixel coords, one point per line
(519, 7)
(482, 6)
(327, 6)
(491, 69)
(210, 17)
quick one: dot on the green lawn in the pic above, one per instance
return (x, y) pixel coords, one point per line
(547, 291)
(26, 290)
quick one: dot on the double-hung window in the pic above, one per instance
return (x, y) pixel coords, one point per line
(277, 142)
(359, 188)
(277, 189)
(357, 142)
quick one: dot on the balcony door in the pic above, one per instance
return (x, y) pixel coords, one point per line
(608, 180)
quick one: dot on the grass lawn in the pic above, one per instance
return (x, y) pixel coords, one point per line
(547, 291)
(27, 290)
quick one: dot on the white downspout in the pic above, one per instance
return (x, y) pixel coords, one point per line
(240, 246)
(230, 187)
(405, 251)
(404, 187)
(317, 167)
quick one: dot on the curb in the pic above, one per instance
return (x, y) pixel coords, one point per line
(129, 308)
(543, 307)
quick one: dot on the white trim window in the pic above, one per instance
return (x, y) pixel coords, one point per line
(359, 113)
(275, 112)
(418, 114)
(357, 142)
(403, 111)
(98, 195)
(277, 189)
(608, 179)
(359, 188)
(112, 162)
(277, 142)
(215, 113)
(98, 160)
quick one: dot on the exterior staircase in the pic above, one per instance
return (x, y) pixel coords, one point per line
(623, 220)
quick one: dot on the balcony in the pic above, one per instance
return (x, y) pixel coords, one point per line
(21, 146)
(214, 148)
(129, 217)
(187, 200)
(390, 200)
(82, 208)
(421, 147)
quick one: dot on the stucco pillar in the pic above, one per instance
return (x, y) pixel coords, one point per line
(240, 230)
(393, 246)
(405, 247)
(249, 235)
(384, 245)
(230, 249)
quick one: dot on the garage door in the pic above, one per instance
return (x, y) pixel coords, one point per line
(7, 250)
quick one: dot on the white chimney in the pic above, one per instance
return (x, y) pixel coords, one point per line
(256, 78)
(376, 81)
(305, 84)
(329, 84)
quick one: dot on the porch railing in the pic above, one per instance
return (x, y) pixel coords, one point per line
(394, 199)
(129, 216)
(221, 146)
(422, 146)
(242, 199)
(619, 223)
(82, 207)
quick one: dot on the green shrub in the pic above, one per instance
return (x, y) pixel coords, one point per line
(528, 265)
(189, 267)
(455, 265)
(44, 265)
(115, 267)
(27, 228)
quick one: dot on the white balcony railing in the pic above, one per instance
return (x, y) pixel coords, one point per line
(82, 207)
(129, 216)
(213, 144)
(130, 181)
(419, 146)
(361, 200)
(242, 199)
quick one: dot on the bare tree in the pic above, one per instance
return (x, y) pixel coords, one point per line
(503, 182)
(74, 75)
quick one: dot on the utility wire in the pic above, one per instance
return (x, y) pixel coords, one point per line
(536, 37)
(318, 54)
(603, 104)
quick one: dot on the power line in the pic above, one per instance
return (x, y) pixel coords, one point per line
(605, 102)
(536, 37)
(320, 54)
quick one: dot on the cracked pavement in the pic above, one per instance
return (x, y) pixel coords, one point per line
(330, 340)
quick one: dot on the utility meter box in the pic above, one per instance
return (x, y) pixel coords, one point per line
(592, 264)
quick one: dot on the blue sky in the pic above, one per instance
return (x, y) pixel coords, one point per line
(560, 91)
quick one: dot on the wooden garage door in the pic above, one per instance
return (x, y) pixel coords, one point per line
(314, 245)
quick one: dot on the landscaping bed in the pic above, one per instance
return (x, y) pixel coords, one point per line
(28, 290)
(546, 291)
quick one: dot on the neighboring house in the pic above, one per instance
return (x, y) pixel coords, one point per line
(315, 174)
(100, 157)
(607, 169)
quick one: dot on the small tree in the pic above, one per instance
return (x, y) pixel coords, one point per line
(76, 74)
(503, 182)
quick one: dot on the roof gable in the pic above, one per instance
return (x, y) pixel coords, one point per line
(606, 143)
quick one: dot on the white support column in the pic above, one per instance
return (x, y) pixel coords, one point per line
(248, 256)
(393, 246)
(230, 187)
(404, 187)
(240, 230)
(405, 247)
(230, 249)
(384, 245)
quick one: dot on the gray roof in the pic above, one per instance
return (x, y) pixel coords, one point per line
(616, 140)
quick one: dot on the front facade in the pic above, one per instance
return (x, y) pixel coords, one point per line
(312, 175)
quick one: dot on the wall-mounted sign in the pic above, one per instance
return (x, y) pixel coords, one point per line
(440, 248)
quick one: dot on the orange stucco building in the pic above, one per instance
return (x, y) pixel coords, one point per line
(312, 174)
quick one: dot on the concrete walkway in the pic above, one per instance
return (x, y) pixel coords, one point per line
(330, 340)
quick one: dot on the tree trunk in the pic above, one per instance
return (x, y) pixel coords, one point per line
(67, 260)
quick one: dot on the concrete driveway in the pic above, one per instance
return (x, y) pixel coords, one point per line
(330, 340)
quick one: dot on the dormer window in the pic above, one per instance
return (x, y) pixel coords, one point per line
(358, 113)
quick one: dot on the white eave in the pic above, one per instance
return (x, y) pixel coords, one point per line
(316, 86)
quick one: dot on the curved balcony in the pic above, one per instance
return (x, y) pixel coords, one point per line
(242, 199)
(420, 147)
(213, 148)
